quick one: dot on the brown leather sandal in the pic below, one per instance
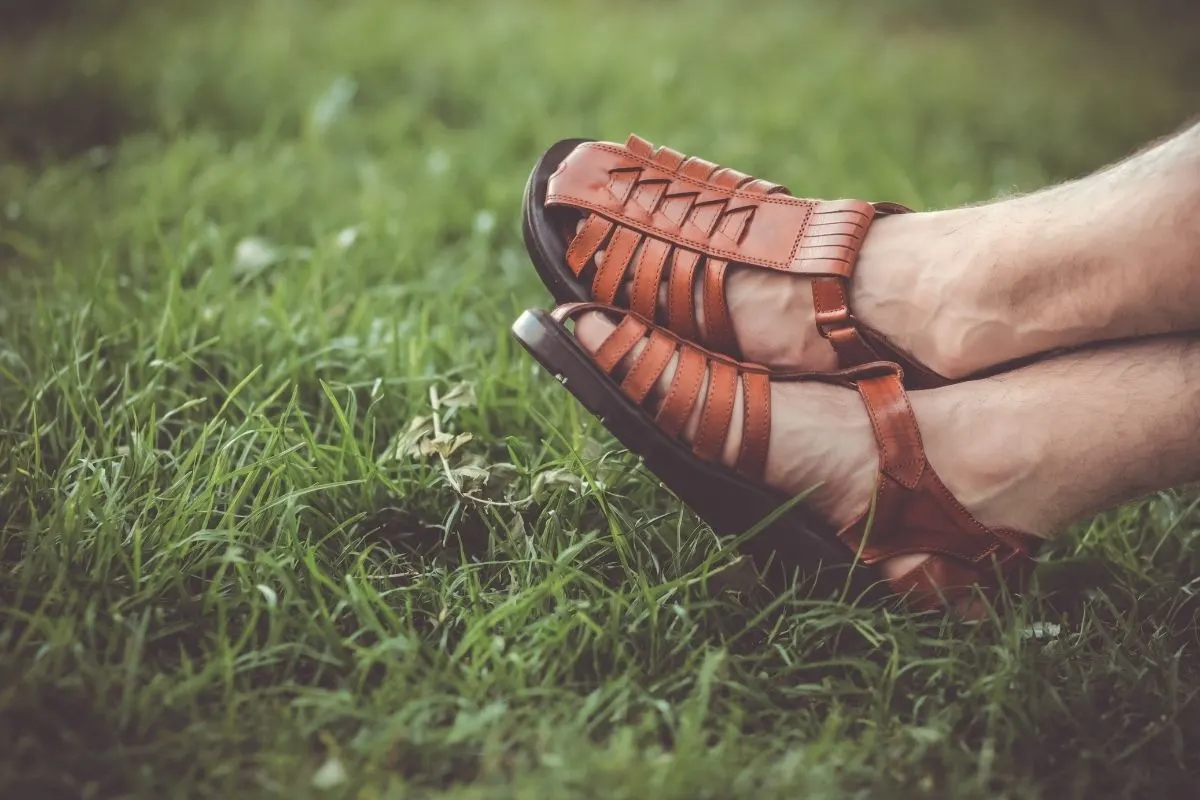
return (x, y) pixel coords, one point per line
(678, 219)
(913, 512)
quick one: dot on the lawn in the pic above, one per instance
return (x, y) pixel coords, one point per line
(285, 511)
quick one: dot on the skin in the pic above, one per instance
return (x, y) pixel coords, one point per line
(1110, 256)
(1107, 267)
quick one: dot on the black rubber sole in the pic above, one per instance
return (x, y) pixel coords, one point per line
(542, 229)
(792, 542)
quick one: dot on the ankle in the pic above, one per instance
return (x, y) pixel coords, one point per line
(989, 454)
(830, 449)
(911, 285)
(773, 320)
(944, 286)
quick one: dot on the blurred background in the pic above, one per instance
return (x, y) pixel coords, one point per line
(415, 117)
(201, 123)
(1075, 81)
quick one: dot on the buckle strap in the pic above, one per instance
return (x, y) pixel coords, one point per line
(941, 581)
(837, 325)
(913, 511)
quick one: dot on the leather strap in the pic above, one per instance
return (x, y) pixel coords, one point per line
(582, 250)
(914, 512)
(756, 430)
(681, 312)
(716, 310)
(685, 388)
(619, 343)
(647, 275)
(648, 366)
(835, 323)
(717, 411)
(705, 384)
(616, 261)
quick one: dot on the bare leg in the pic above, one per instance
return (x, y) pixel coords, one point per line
(1109, 256)
(1020, 450)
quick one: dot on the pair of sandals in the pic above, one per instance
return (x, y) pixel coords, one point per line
(667, 222)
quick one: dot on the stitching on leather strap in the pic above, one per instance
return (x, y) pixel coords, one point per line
(681, 293)
(851, 348)
(649, 366)
(586, 242)
(622, 246)
(837, 312)
(756, 424)
(893, 463)
(717, 411)
(647, 276)
(684, 391)
(718, 332)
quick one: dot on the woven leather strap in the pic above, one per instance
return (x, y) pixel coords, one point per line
(704, 383)
(663, 217)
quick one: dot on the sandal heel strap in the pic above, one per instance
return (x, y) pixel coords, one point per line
(939, 581)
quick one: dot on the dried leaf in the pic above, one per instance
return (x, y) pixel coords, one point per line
(461, 395)
(470, 476)
(544, 483)
(485, 222)
(347, 237)
(332, 773)
(254, 254)
(334, 102)
(443, 444)
(407, 444)
(1042, 630)
(504, 472)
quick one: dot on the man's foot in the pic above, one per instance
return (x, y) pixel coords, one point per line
(821, 437)
(667, 236)
(1104, 258)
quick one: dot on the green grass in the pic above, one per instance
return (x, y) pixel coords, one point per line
(225, 574)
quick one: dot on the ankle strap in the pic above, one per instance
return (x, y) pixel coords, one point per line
(914, 512)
